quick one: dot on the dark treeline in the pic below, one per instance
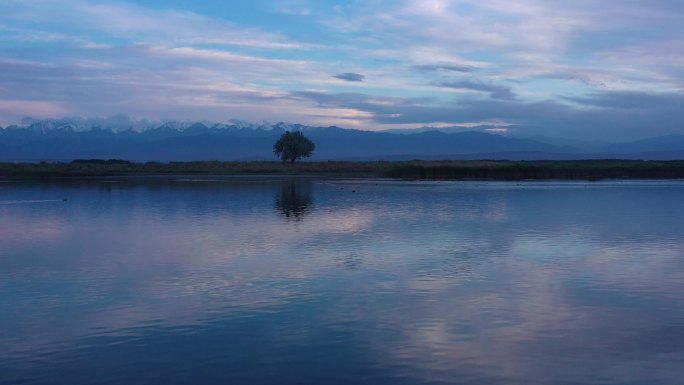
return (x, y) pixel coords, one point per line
(518, 170)
(101, 167)
(457, 170)
(101, 161)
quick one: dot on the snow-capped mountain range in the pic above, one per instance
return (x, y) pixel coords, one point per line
(144, 140)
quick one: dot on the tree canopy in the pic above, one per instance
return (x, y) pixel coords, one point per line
(292, 146)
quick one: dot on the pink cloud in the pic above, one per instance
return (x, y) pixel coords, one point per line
(13, 109)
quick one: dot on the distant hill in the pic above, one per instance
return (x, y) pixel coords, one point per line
(668, 143)
(64, 140)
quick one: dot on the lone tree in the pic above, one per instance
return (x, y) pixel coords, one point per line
(292, 146)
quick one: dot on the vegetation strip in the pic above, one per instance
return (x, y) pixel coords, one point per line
(451, 170)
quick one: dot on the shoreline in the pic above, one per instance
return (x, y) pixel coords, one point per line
(480, 170)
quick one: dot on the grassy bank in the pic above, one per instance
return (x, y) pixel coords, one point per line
(518, 170)
(458, 170)
(85, 168)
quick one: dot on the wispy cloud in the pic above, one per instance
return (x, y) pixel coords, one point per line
(443, 67)
(10, 110)
(179, 27)
(350, 77)
(494, 91)
(223, 60)
(631, 100)
(613, 114)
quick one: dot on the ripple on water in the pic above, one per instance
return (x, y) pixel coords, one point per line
(398, 282)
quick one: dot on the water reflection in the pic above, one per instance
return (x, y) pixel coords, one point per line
(411, 283)
(295, 198)
(351, 261)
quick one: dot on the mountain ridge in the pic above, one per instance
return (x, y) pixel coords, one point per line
(63, 140)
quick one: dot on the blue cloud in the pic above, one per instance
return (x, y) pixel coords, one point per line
(443, 67)
(227, 60)
(621, 116)
(632, 100)
(496, 92)
(350, 77)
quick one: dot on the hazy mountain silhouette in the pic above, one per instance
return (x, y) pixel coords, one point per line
(64, 140)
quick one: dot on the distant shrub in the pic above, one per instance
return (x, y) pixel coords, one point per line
(101, 161)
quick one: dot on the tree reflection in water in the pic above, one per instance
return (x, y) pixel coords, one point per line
(295, 199)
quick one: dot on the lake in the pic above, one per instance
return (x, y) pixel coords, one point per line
(270, 280)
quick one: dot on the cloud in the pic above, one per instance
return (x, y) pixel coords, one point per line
(82, 21)
(604, 116)
(350, 77)
(205, 56)
(590, 78)
(443, 67)
(225, 61)
(496, 92)
(354, 100)
(529, 33)
(137, 22)
(13, 110)
(632, 100)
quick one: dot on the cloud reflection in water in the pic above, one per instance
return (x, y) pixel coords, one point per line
(398, 282)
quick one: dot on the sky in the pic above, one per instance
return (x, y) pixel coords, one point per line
(586, 69)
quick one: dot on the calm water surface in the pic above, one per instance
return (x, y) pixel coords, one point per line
(310, 281)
